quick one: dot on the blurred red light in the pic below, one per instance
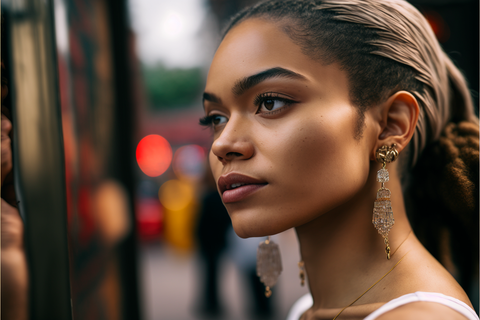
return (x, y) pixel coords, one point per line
(149, 215)
(438, 25)
(154, 155)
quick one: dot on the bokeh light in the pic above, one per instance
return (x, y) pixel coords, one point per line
(154, 155)
(176, 195)
(189, 162)
(439, 27)
(173, 25)
(149, 216)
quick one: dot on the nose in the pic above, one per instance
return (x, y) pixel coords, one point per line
(234, 142)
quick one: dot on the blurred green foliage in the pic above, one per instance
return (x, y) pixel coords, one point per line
(172, 88)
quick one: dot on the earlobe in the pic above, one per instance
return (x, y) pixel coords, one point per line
(399, 117)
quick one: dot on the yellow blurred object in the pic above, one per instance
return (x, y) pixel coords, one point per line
(175, 195)
(178, 199)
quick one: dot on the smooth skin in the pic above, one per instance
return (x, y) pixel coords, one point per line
(296, 132)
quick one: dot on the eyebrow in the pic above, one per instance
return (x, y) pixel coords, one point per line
(246, 83)
(210, 97)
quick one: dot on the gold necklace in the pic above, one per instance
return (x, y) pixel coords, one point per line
(373, 285)
(402, 243)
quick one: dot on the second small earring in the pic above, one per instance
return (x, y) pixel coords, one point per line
(382, 210)
(301, 266)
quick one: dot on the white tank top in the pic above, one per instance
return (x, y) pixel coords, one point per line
(305, 302)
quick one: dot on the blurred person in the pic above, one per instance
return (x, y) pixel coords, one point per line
(244, 254)
(324, 110)
(211, 233)
(215, 236)
(14, 280)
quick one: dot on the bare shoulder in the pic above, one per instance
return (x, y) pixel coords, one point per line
(421, 272)
(422, 310)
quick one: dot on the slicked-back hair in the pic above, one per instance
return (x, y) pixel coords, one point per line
(384, 46)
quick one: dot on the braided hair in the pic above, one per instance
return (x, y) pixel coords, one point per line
(440, 166)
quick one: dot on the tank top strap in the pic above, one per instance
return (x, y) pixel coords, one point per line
(448, 301)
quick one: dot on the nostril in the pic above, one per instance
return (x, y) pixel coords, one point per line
(233, 154)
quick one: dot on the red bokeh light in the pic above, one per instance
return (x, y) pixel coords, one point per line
(439, 27)
(154, 155)
(149, 215)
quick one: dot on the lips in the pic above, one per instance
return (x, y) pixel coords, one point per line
(235, 187)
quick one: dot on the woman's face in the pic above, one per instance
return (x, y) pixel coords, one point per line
(284, 150)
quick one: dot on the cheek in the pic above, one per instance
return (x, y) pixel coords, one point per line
(215, 166)
(312, 163)
(319, 165)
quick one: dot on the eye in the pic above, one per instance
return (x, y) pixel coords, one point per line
(217, 120)
(213, 120)
(271, 104)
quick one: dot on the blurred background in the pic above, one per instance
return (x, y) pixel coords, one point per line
(147, 235)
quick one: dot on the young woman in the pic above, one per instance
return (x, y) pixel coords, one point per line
(308, 101)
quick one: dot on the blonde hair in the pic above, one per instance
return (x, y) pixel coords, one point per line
(405, 36)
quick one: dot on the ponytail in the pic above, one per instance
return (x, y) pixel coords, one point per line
(443, 196)
(442, 200)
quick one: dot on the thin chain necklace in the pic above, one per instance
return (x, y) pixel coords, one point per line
(408, 235)
(373, 285)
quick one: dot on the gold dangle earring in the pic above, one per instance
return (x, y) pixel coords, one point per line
(382, 209)
(269, 264)
(301, 266)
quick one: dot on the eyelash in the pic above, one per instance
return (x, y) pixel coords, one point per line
(207, 121)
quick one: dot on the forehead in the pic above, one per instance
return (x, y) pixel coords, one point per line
(255, 45)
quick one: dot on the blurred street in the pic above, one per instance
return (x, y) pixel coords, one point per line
(170, 283)
(106, 141)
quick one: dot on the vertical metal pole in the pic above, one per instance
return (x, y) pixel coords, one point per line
(39, 156)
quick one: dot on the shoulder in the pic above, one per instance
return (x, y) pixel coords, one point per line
(422, 310)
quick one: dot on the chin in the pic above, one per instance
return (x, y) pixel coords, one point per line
(246, 225)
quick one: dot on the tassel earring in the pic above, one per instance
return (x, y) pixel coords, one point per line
(301, 266)
(382, 209)
(269, 264)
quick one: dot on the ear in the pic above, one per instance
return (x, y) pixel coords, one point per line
(398, 119)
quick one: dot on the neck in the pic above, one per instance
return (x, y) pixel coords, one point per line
(343, 252)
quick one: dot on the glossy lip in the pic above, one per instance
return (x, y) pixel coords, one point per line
(249, 186)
